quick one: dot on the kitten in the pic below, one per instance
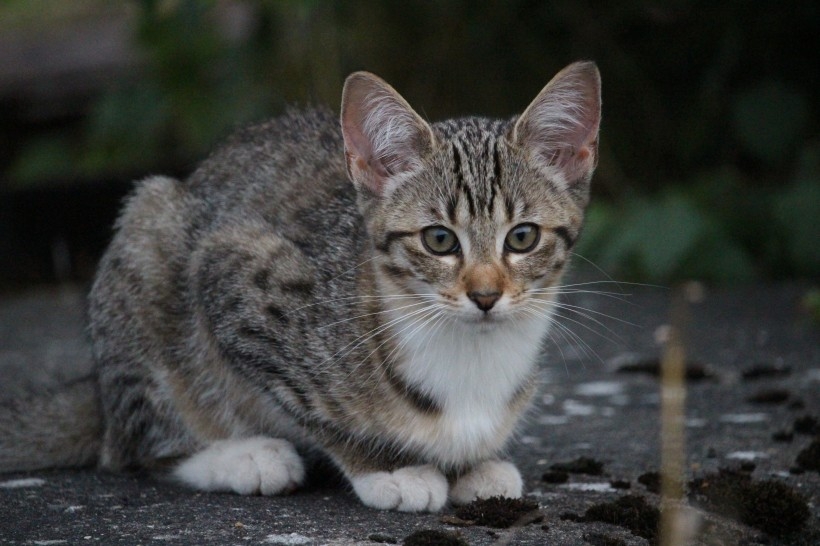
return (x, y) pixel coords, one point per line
(378, 291)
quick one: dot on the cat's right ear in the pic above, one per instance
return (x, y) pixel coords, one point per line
(559, 129)
(384, 138)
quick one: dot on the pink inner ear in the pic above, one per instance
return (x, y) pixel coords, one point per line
(583, 154)
(383, 136)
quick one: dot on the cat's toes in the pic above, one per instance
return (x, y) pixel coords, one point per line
(488, 479)
(249, 466)
(409, 489)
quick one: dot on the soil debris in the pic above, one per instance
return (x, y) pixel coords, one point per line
(783, 436)
(769, 396)
(768, 505)
(581, 465)
(765, 371)
(554, 476)
(629, 511)
(808, 425)
(620, 484)
(652, 481)
(499, 512)
(695, 371)
(809, 458)
(433, 537)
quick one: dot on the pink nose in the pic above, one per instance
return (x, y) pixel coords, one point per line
(484, 300)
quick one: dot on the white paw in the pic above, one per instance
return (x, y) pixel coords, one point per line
(488, 479)
(408, 489)
(249, 466)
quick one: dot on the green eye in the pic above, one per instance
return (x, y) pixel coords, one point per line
(439, 240)
(522, 238)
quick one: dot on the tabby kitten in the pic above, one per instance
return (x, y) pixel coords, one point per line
(377, 290)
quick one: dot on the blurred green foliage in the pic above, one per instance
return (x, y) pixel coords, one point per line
(710, 155)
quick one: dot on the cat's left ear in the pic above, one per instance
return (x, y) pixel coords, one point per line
(384, 138)
(559, 129)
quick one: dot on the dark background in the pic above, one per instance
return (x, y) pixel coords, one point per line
(710, 157)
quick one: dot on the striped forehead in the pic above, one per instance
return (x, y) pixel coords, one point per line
(473, 155)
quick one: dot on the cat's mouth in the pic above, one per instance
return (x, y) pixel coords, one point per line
(486, 319)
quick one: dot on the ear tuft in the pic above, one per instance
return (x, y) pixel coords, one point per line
(384, 138)
(559, 129)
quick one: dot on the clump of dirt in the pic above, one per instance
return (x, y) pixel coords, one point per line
(581, 465)
(768, 505)
(554, 476)
(747, 466)
(695, 371)
(769, 396)
(499, 512)
(652, 481)
(629, 511)
(433, 537)
(808, 425)
(765, 371)
(620, 484)
(796, 404)
(809, 458)
(783, 436)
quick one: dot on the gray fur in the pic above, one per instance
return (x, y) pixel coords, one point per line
(244, 301)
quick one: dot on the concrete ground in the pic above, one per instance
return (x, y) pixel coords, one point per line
(755, 366)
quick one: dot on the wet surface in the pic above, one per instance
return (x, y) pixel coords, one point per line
(752, 412)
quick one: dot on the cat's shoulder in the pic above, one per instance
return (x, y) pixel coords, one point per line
(296, 126)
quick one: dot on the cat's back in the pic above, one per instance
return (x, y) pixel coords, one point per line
(280, 169)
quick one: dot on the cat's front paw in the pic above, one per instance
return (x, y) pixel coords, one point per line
(488, 479)
(249, 466)
(408, 489)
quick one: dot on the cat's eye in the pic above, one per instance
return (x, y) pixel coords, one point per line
(439, 240)
(522, 238)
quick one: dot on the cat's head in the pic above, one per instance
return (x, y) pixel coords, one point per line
(477, 215)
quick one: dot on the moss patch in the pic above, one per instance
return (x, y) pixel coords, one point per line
(809, 458)
(433, 537)
(498, 512)
(629, 511)
(651, 480)
(581, 465)
(771, 506)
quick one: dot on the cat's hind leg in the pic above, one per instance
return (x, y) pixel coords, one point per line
(488, 479)
(248, 466)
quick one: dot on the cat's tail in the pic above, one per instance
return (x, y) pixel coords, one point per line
(59, 428)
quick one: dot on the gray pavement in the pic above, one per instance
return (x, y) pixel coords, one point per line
(589, 407)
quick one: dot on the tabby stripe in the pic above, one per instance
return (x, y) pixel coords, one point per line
(496, 181)
(392, 236)
(396, 272)
(469, 195)
(457, 165)
(563, 234)
(452, 203)
(242, 357)
(509, 205)
(417, 398)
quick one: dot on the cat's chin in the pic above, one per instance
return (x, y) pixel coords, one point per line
(485, 322)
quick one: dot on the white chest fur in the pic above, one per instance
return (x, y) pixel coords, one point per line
(473, 375)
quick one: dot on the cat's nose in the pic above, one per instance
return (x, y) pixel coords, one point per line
(484, 300)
